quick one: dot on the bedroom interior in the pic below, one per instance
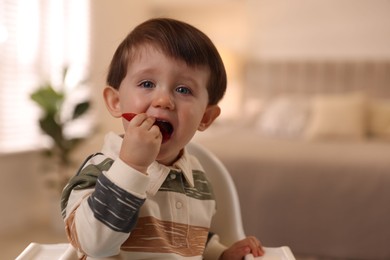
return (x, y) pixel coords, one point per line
(311, 165)
(305, 128)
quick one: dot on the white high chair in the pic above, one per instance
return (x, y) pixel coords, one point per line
(227, 222)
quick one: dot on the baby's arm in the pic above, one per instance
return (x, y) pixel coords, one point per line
(103, 205)
(243, 247)
(102, 218)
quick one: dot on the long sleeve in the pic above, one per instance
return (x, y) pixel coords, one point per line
(101, 204)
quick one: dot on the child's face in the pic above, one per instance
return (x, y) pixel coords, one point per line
(169, 90)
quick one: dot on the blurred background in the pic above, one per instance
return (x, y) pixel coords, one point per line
(267, 45)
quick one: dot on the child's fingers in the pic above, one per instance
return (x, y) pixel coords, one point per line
(145, 122)
(138, 119)
(156, 130)
(142, 120)
(255, 246)
(148, 123)
(249, 245)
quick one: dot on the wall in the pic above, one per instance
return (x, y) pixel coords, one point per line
(320, 29)
(21, 200)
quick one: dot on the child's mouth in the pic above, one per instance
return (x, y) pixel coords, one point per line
(165, 127)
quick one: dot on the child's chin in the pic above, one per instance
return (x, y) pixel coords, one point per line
(168, 155)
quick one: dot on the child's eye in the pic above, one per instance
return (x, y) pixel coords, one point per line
(183, 90)
(146, 84)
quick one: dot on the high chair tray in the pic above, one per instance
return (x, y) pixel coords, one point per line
(274, 253)
(35, 251)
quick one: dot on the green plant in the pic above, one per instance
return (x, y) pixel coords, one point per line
(53, 123)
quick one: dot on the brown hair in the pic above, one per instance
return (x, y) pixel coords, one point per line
(178, 40)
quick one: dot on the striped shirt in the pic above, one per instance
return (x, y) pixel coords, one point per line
(112, 210)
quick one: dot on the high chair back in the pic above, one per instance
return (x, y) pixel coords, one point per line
(227, 222)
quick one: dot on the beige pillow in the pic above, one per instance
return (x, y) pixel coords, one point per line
(338, 116)
(379, 119)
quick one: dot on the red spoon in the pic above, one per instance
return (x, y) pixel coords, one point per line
(165, 127)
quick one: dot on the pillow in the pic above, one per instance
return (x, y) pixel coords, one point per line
(379, 119)
(338, 116)
(284, 117)
(252, 107)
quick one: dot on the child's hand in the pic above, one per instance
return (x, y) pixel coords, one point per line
(249, 245)
(141, 142)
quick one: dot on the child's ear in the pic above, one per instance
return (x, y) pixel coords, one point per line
(211, 113)
(112, 100)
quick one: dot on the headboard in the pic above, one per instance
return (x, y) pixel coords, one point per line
(270, 78)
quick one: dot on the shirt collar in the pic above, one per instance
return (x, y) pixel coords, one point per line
(186, 166)
(157, 172)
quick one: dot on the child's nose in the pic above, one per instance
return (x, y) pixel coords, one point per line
(163, 100)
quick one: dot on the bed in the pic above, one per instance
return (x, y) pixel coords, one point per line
(310, 156)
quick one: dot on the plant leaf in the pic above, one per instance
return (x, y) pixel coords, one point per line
(52, 128)
(48, 99)
(81, 109)
(75, 141)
